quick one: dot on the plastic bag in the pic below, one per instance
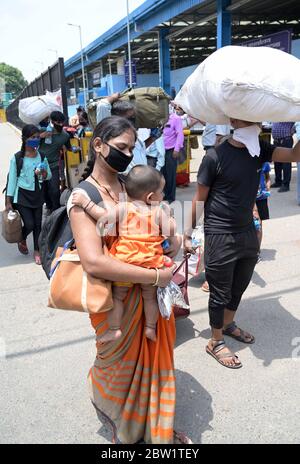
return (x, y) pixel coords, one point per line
(168, 297)
(248, 83)
(196, 261)
(32, 110)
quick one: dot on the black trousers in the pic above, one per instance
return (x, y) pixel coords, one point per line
(283, 171)
(32, 219)
(229, 264)
(169, 173)
(52, 190)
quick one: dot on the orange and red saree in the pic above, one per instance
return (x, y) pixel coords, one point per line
(132, 382)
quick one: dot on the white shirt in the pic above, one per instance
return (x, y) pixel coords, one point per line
(157, 150)
(210, 133)
(139, 155)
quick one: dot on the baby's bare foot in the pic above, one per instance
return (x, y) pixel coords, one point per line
(110, 336)
(150, 333)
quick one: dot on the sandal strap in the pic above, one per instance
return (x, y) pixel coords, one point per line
(228, 354)
(218, 346)
(230, 327)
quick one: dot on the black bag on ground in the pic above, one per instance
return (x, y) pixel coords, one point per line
(56, 229)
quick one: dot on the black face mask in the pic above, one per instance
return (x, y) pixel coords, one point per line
(116, 159)
(57, 127)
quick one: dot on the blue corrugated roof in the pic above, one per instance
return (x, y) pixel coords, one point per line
(157, 10)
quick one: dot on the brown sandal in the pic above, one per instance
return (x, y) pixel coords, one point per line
(214, 353)
(230, 328)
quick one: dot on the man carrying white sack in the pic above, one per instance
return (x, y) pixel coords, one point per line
(228, 180)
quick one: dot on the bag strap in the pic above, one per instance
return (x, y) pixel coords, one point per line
(91, 190)
(184, 262)
(67, 245)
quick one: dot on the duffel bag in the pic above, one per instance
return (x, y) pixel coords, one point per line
(248, 83)
(151, 104)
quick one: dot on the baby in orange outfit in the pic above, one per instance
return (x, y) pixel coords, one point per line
(143, 222)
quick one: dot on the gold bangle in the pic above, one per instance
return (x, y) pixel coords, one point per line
(157, 278)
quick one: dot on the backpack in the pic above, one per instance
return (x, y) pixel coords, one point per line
(19, 164)
(151, 105)
(56, 229)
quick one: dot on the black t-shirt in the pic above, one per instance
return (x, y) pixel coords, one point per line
(233, 177)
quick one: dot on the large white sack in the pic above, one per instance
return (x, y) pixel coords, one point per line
(249, 83)
(32, 110)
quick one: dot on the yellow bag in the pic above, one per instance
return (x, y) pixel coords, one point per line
(71, 288)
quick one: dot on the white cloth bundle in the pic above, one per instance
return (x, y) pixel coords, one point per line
(33, 110)
(249, 83)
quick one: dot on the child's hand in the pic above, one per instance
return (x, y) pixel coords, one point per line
(80, 199)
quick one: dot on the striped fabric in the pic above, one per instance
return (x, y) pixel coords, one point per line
(132, 382)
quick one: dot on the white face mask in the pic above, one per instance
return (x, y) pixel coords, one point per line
(249, 137)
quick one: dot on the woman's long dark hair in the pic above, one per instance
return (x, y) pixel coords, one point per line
(107, 129)
(28, 131)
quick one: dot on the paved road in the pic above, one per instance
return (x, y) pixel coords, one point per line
(48, 353)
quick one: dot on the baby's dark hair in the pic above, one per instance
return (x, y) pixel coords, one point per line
(142, 180)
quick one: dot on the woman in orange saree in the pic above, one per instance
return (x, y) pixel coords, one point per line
(132, 382)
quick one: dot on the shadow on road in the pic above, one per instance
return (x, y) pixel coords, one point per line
(193, 407)
(185, 331)
(276, 331)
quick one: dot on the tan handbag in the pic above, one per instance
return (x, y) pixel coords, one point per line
(12, 226)
(71, 288)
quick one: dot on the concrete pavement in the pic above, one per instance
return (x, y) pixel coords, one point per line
(45, 354)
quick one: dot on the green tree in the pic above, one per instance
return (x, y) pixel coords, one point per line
(14, 79)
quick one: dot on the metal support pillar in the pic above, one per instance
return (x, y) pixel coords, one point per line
(164, 60)
(223, 23)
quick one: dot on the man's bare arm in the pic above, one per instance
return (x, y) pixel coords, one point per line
(287, 155)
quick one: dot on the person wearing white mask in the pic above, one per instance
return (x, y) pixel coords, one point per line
(228, 180)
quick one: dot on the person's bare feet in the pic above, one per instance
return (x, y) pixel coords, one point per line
(111, 335)
(150, 333)
(231, 360)
(37, 258)
(205, 287)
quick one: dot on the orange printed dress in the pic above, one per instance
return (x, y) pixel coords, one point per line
(132, 381)
(139, 241)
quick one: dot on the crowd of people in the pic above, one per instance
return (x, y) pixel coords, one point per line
(132, 382)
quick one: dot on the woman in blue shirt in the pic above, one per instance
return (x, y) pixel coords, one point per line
(27, 173)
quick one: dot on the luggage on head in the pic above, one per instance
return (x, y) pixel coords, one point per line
(151, 104)
(248, 83)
